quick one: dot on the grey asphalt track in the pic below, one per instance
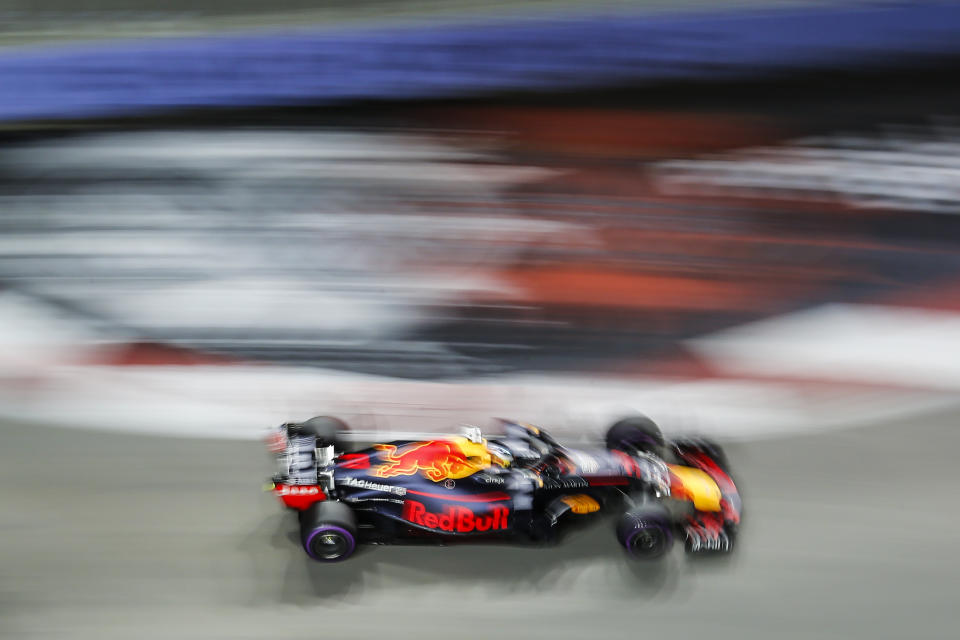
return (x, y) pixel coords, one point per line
(848, 535)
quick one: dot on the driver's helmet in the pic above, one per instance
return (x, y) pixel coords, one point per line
(499, 454)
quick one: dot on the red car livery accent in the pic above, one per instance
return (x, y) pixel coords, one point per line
(437, 459)
(630, 466)
(607, 481)
(299, 496)
(455, 518)
(276, 441)
(723, 480)
(355, 461)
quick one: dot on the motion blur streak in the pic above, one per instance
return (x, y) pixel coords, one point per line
(584, 49)
(276, 239)
(738, 218)
(914, 168)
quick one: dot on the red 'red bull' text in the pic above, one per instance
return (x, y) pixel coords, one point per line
(456, 519)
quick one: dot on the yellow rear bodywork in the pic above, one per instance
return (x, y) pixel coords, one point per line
(688, 483)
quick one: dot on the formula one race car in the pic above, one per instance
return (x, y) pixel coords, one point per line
(521, 485)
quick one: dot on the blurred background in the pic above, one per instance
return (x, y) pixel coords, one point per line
(739, 218)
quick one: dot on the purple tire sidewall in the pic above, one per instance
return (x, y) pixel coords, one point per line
(329, 527)
(644, 440)
(652, 524)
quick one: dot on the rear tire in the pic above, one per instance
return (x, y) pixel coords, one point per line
(638, 433)
(328, 531)
(646, 532)
(325, 429)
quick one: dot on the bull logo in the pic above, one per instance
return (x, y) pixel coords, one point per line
(438, 460)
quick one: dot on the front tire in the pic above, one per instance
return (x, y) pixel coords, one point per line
(328, 531)
(646, 532)
(638, 433)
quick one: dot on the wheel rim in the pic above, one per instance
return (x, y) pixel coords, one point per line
(330, 543)
(646, 543)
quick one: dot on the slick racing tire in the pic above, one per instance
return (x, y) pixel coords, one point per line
(638, 433)
(328, 531)
(646, 532)
(324, 428)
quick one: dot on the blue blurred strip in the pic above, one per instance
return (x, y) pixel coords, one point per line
(323, 66)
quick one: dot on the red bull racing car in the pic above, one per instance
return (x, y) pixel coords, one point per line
(521, 485)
